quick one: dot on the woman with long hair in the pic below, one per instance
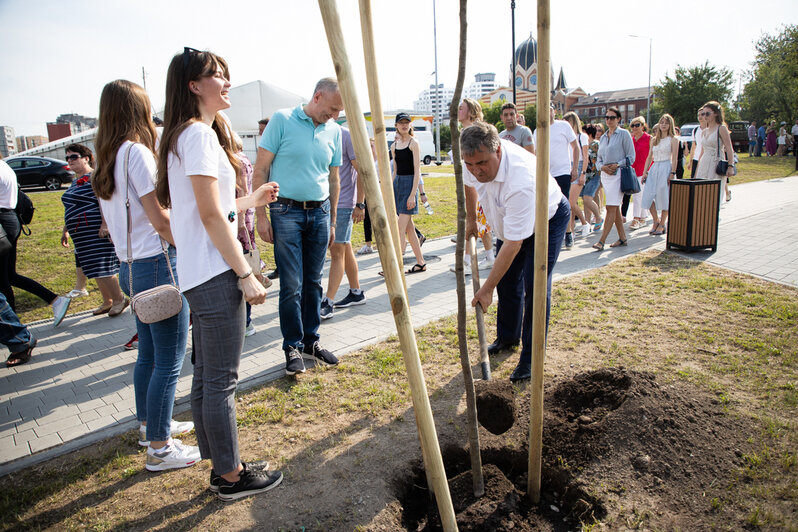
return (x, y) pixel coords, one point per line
(576, 186)
(715, 138)
(406, 173)
(771, 142)
(125, 173)
(642, 143)
(84, 223)
(616, 150)
(197, 173)
(661, 163)
(592, 179)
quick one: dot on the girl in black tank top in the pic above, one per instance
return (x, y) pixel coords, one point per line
(406, 174)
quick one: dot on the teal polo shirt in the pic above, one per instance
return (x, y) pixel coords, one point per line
(303, 154)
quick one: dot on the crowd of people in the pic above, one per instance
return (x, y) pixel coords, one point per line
(184, 206)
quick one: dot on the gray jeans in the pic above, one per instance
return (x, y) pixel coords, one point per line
(217, 308)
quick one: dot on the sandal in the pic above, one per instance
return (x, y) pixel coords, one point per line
(23, 357)
(102, 309)
(417, 268)
(599, 246)
(598, 225)
(618, 243)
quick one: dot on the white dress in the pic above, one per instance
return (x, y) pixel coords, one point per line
(710, 155)
(657, 181)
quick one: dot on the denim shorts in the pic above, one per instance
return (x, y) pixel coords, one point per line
(343, 226)
(592, 183)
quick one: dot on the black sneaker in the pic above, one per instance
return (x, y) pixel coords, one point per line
(569, 240)
(351, 300)
(326, 309)
(321, 354)
(293, 362)
(257, 467)
(249, 483)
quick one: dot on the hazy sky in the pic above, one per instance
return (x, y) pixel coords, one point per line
(58, 54)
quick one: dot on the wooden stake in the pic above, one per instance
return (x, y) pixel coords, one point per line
(483, 342)
(378, 124)
(541, 252)
(390, 265)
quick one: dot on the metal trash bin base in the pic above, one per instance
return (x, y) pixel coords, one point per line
(693, 214)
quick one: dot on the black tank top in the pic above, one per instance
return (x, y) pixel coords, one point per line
(404, 161)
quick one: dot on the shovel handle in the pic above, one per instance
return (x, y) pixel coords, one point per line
(483, 344)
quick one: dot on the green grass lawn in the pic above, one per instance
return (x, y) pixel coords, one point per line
(41, 257)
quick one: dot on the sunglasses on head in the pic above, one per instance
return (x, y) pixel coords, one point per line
(187, 51)
(73, 157)
(608, 117)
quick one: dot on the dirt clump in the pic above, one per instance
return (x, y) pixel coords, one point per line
(495, 405)
(609, 436)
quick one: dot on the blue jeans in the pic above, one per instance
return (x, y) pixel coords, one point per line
(514, 291)
(12, 333)
(162, 347)
(300, 246)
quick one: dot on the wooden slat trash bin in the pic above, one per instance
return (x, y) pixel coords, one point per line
(693, 214)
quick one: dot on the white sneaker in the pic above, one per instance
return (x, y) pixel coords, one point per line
(585, 229)
(77, 293)
(60, 307)
(176, 428)
(174, 455)
(365, 250)
(250, 330)
(486, 264)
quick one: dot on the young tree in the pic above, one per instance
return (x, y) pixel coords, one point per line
(690, 88)
(773, 89)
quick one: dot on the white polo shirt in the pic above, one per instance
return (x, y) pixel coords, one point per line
(509, 200)
(8, 186)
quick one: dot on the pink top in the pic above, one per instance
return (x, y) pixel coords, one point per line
(642, 145)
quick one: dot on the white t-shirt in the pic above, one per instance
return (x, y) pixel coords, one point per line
(794, 130)
(561, 135)
(144, 239)
(8, 186)
(198, 153)
(509, 200)
(697, 143)
(584, 142)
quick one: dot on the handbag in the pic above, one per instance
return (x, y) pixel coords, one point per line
(5, 242)
(723, 165)
(629, 182)
(157, 303)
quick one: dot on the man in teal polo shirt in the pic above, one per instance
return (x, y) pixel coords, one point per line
(301, 150)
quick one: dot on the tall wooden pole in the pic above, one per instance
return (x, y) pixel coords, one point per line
(378, 124)
(541, 252)
(390, 264)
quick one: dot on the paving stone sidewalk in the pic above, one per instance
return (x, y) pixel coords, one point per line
(78, 387)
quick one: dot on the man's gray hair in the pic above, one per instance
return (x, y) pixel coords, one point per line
(478, 136)
(327, 86)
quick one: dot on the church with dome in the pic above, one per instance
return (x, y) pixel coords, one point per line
(525, 78)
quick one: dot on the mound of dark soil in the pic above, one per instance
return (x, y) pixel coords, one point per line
(608, 435)
(495, 405)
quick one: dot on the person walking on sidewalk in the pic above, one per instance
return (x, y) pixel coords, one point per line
(300, 150)
(502, 176)
(406, 172)
(661, 164)
(9, 190)
(350, 209)
(14, 335)
(125, 175)
(197, 171)
(642, 143)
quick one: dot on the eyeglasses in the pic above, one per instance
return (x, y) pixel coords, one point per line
(611, 117)
(705, 113)
(187, 51)
(636, 125)
(73, 157)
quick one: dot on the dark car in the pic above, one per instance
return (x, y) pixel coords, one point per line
(739, 135)
(41, 172)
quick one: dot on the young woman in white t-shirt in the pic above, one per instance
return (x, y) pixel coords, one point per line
(577, 184)
(126, 131)
(197, 170)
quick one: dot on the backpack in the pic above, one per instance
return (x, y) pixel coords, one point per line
(24, 210)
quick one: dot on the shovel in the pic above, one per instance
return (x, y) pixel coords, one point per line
(483, 344)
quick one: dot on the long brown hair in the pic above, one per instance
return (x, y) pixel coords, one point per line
(720, 119)
(124, 115)
(182, 109)
(671, 129)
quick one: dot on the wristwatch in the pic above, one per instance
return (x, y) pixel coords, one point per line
(360, 206)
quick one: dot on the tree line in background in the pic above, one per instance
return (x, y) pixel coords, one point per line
(770, 94)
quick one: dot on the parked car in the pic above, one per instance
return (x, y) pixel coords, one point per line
(41, 172)
(739, 135)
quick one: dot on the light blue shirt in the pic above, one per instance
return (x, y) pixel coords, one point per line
(615, 149)
(303, 154)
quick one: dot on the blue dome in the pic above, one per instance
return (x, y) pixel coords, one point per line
(526, 54)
